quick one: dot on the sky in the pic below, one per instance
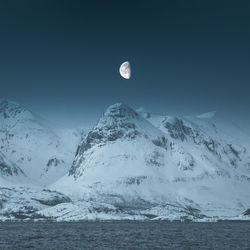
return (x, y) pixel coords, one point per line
(61, 58)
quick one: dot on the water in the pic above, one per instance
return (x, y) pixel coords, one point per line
(124, 235)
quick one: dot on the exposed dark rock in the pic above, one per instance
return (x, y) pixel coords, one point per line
(177, 129)
(247, 212)
(116, 123)
(135, 180)
(160, 142)
(210, 145)
(234, 151)
(155, 159)
(55, 200)
(9, 109)
(5, 170)
(53, 162)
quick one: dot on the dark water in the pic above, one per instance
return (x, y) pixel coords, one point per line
(124, 235)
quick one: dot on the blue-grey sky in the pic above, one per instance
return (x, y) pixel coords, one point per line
(61, 58)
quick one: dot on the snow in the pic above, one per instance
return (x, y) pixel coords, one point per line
(207, 115)
(131, 165)
(29, 143)
(185, 168)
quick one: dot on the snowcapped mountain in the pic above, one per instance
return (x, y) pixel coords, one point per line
(31, 145)
(151, 163)
(219, 147)
(131, 165)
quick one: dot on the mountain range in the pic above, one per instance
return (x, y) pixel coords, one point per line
(131, 165)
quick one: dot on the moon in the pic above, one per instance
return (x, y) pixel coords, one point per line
(125, 70)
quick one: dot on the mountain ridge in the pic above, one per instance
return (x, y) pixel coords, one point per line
(31, 144)
(138, 165)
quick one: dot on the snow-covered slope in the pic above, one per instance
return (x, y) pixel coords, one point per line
(18, 203)
(153, 163)
(131, 165)
(29, 143)
(10, 173)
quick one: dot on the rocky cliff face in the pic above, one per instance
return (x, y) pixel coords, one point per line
(188, 148)
(119, 124)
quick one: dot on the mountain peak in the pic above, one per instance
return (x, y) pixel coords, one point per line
(120, 110)
(117, 121)
(10, 109)
(6, 102)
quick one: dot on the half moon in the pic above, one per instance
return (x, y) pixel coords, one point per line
(125, 70)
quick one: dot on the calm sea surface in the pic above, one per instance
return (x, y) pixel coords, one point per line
(124, 235)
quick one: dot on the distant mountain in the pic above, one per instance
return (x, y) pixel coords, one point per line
(151, 163)
(131, 165)
(32, 146)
